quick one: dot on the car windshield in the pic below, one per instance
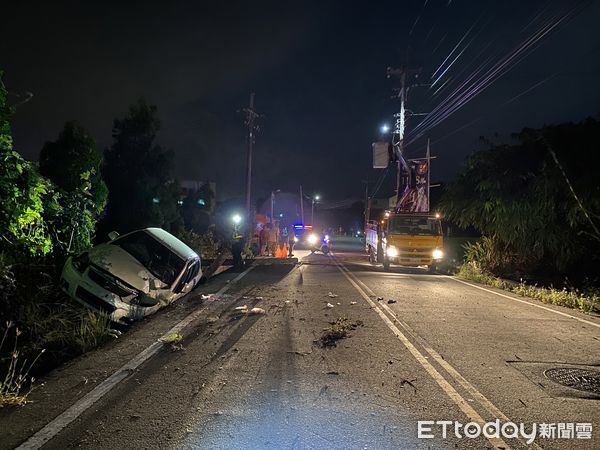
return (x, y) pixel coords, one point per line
(152, 254)
(422, 226)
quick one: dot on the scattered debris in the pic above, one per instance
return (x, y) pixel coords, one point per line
(379, 299)
(212, 319)
(332, 295)
(353, 303)
(299, 353)
(256, 311)
(409, 382)
(135, 417)
(241, 308)
(523, 403)
(287, 301)
(329, 305)
(391, 301)
(171, 338)
(245, 297)
(259, 298)
(205, 297)
(333, 372)
(338, 330)
(338, 303)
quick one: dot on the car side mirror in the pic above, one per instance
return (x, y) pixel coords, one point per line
(113, 235)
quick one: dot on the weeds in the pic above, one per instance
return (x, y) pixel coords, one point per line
(338, 330)
(173, 340)
(589, 302)
(17, 373)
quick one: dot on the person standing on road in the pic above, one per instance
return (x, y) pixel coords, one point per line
(264, 240)
(291, 236)
(273, 236)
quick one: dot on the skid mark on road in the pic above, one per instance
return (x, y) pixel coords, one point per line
(73, 412)
(448, 389)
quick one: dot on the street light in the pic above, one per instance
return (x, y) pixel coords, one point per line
(236, 219)
(385, 128)
(315, 199)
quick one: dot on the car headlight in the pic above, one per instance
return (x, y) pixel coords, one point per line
(438, 254)
(392, 251)
(312, 239)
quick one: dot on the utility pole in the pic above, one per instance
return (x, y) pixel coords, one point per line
(250, 122)
(400, 126)
(301, 206)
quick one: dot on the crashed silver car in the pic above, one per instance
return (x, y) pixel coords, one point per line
(133, 275)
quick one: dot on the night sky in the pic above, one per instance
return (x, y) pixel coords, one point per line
(318, 70)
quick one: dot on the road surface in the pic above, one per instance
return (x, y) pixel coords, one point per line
(424, 348)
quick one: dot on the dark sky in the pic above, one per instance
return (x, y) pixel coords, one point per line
(318, 70)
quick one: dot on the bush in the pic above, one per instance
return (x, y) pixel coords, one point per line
(208, 245)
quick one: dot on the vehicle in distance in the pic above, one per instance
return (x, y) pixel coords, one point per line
(405, 239)
(132, 276)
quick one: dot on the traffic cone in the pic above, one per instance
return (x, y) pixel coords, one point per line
(284, 251)
(277, 252)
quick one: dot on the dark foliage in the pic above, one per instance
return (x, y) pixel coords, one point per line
(138, 173)
(518, 196)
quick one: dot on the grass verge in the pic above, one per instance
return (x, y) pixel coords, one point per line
(588, 302)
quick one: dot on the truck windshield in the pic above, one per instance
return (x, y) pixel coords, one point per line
(152, 254)
(423, 226)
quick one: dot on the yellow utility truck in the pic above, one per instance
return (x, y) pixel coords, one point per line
(405, 239)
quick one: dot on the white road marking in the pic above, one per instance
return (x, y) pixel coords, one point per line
(63, 420)
(525, 302)
(450, 391)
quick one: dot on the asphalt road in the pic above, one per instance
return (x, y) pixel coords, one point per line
(442, 350)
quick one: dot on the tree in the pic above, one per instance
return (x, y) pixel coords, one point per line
(72, 163)
(519, 197)
(23, 192)
(138, 173)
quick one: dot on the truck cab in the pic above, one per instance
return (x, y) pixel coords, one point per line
(405, 239)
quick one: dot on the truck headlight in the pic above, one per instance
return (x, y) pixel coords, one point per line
(312, 239)
(438, 254)
(392, 251)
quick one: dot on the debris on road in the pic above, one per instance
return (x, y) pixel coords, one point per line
(379, 299)
(329, 305)
(353, 303)
(212, 319)
(409, 382)
(391, 301)
(259, 298)
(241, 308)
(256, 311)
(339, 330)
(173, 340)
(332, 295)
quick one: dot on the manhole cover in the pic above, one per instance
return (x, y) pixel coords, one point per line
(580, 379)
